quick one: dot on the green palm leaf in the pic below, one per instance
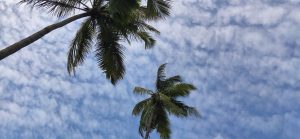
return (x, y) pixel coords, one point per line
(142, 26)
(57, 7)
(123, 6)
(122, 11)
(109, 53)
(173, 80)
(81, 44)
(147, 118)
(171, 107)
(163, 124)
(161, 75)
(190, 111)
(179, 90)
(142, 126)
(157, 9)
(141, 90)
(139, 30)
(169, 82)
(148, 40)
(140, 106)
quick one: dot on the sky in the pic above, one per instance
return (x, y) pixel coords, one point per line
(242, 55)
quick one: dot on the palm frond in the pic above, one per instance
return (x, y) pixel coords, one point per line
(121, 10)
(163, 124)
(157, 9)
(169, 82)
(146, 27)
(96, 3)
(147, 118)
(174, 79)
(190, 111)
(81, 44)
(171, 107)
(140, 106)
(109, 53)
(148, 40)
(123, 6)
(139, 31)
(161, 75)
(141, 90)
(179, 90)
(141, 129)
(57, 7)
(143, 33)
(177, 108)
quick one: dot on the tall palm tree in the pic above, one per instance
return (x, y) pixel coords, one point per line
(107, 23)
(163, 101)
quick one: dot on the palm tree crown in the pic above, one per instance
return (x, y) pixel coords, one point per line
(154, 110)
(108, 23)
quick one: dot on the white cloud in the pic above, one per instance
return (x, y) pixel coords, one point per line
(218, 137)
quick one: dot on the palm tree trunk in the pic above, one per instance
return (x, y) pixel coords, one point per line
(32, 38)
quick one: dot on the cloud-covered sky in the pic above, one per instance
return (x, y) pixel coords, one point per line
(242, 55)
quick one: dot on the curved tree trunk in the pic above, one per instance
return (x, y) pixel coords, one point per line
(32, 38)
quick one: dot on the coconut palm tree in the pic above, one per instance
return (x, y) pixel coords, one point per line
(163, 101)
(107, 23)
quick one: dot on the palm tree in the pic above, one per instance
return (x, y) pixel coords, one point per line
(107, 23)
(155, 109)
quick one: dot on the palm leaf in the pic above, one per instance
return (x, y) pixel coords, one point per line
(140, 31)
(81, 44)
(179, 90)
(140, 90)
(173, 80)
(146, 121)
(157, 9)
(140, 106)
(148, 40)
(109, 53)
(121, 10)
(169, 82)
(146, 27)
(57, 7)
(161, 75)
(171, 107)
(190, 111)
(123, 6)
(163, 124)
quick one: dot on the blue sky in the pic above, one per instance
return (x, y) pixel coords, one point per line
(242, 55)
